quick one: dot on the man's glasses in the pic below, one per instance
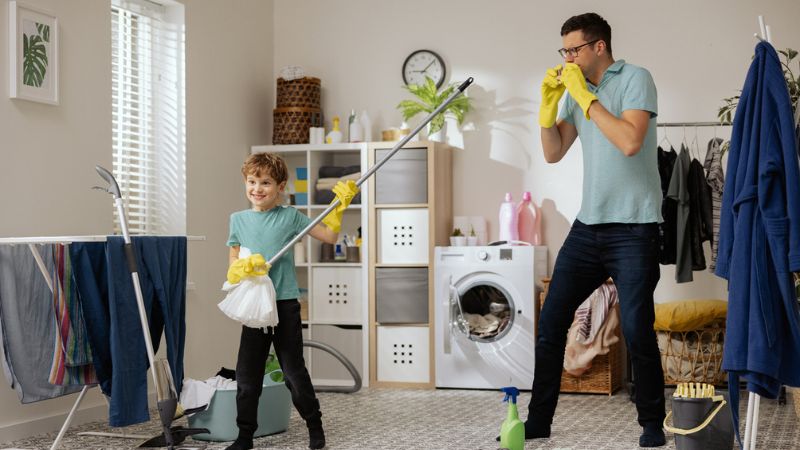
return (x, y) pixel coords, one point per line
(573, 51)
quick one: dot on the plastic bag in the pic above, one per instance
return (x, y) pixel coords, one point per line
(251, 301)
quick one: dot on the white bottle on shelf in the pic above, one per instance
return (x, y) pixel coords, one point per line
(366, 125)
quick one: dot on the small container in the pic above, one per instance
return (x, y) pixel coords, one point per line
(353, 254)
(326, 253)
(338, 252)
(299, 253)
(302, 173)
(301, 198)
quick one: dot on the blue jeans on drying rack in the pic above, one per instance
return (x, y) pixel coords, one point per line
(112, 316)
(628, 253)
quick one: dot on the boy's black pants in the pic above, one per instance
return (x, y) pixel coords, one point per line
(253, 350)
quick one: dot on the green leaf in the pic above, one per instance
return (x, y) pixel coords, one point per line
(34, 60)
(791, 54)
(430, 99)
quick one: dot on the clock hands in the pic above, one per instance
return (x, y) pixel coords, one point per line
(425, 70)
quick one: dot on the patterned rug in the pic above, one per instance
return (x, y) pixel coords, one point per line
(446, 419)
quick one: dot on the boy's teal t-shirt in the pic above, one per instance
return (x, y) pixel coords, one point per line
(266, 232)
(618, 188)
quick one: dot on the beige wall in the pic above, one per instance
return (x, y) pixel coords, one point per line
(698, 53)
(49, 152)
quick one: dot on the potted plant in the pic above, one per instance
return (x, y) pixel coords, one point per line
(472, 239)
(428, 100)
(457, 238)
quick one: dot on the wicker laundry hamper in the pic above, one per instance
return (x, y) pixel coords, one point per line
(605, 375)
(297, 109)
(693, 356)
(291, 124)
(298, 93)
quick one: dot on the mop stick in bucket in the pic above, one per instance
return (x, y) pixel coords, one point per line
(162, 375)
(265, 280)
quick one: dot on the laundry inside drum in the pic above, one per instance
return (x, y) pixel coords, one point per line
(488, 311)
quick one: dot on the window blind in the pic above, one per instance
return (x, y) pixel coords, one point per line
(148, 114)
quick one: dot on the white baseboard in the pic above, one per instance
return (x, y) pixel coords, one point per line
(35, 427)
(50, 424)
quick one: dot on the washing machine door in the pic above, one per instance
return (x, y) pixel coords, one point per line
(481, 310)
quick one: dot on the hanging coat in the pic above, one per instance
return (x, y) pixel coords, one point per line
(759, 242)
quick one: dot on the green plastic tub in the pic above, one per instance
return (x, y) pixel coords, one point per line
(220, 417)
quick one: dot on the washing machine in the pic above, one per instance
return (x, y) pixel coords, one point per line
(485, 315)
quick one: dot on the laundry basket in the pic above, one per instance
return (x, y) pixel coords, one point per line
(220, 417)
(605, 375)
(693, 356)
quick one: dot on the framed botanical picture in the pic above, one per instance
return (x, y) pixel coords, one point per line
(33, 53)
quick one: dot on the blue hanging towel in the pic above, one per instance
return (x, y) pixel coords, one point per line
(759, 238)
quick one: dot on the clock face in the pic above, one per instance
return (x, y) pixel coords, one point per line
(421, 64)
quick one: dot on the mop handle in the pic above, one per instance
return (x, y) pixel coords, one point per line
(130, 256)
(460, 90)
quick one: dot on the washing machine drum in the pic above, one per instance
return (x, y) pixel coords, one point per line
(481, 309)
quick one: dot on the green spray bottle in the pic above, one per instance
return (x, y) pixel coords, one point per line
(512, 431)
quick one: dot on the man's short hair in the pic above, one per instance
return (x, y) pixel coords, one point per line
(592, 25)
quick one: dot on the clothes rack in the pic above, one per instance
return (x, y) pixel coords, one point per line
(31, 243)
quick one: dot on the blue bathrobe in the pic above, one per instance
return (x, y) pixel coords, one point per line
(759, 236)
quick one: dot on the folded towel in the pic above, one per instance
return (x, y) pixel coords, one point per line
(337, 171)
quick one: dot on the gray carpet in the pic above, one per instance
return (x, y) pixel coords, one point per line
(449, 419)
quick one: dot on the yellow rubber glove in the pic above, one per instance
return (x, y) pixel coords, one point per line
(573, 79)
(253, 265)
(345, 191)
(552, 90)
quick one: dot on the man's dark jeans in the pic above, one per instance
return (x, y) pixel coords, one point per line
(253, 350)
(628, 253)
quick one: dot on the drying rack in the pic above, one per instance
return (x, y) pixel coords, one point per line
(31, 242)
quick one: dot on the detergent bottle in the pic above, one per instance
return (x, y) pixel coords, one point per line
(508, 220)
(512, 431)
(529, 220)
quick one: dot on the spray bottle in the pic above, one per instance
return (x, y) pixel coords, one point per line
(512, 431)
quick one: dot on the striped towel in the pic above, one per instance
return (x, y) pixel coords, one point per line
(592, 313)
(72, 356)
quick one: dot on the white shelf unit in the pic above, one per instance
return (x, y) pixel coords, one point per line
(337, 301)
(410, 212)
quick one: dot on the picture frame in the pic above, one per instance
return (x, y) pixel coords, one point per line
(33, 53)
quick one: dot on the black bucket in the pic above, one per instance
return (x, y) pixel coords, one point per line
(690, 413)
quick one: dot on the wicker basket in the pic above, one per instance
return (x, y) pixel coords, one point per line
(795, 393)
(605, 375)
(290, 125)
(693, 356)
(298, 93)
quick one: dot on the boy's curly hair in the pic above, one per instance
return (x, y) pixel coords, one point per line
(261, 164)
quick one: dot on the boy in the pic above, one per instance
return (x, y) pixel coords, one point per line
(265, 229)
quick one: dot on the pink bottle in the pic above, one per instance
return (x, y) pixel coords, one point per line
(508, 220)
(529, 220)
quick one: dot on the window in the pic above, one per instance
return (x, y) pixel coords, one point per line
(149, 115)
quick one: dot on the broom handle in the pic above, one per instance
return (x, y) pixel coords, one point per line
(373, 169)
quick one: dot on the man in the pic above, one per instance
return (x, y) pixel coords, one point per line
(612, 107)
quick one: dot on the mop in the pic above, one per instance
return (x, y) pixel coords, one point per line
(238, 308)
(167, 398)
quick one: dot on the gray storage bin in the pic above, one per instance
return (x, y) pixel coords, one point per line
(401, 295)
(404, 178)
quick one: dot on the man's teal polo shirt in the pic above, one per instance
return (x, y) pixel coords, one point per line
(618, 188)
